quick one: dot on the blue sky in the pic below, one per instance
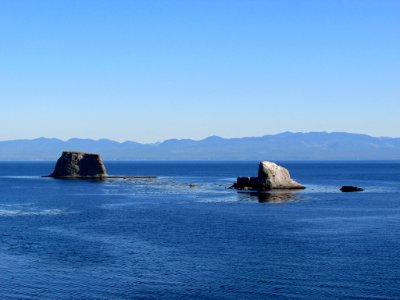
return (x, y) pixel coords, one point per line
(153, 70)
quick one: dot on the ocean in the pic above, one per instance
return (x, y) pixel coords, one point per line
(185, 235)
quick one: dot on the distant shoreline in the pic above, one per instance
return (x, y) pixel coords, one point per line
(287, 146)
(219, 161)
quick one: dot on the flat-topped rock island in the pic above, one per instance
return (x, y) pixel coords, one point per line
(83, 165)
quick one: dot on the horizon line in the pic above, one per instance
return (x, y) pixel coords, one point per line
(195, 140)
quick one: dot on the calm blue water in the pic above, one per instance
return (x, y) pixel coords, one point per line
(161, 239)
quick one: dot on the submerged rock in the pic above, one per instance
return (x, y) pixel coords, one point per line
(270, 176)
(74, 164)
(350, 188)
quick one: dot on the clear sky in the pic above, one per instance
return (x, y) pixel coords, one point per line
(152, 70)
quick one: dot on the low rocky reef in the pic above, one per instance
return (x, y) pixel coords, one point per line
(83, 165)
(270, 176)
(75, 164)
(350, 188)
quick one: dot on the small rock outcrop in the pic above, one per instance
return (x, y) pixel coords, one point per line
(74, 164)
(248, 183)
(270, 176)
(350, 188)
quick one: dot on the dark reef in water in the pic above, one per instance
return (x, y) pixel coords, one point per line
(349, 188)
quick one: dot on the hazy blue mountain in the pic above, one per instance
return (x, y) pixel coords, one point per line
(283, 146)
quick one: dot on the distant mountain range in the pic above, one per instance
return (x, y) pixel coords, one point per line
(283, 146)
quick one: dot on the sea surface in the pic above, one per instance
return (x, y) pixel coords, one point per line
(184, 235)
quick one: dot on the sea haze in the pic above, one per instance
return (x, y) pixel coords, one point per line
(284, 146)
(185, 235)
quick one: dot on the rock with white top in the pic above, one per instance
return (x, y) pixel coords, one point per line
(273, 176)
(270, 177)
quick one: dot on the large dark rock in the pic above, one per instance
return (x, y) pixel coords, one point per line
(73, 164)
(350, 188)
(270, 176)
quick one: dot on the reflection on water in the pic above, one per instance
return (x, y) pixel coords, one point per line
(275, 197)
(281, 196)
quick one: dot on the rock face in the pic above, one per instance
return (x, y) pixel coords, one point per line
(270, 176)
(274, 176)
(349, 188)
(73, 164)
